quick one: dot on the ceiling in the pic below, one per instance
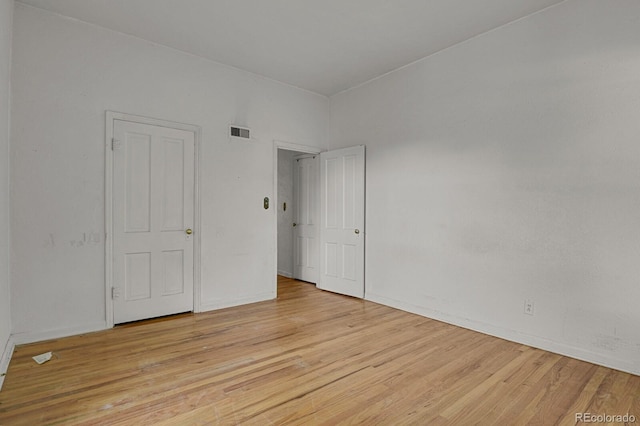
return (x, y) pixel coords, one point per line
(324, 46)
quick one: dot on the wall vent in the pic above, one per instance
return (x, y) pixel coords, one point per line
(239, 132)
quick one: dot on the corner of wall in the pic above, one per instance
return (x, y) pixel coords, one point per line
(6, 340)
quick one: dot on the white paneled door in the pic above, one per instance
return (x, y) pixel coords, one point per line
(342, 177)
(153, 216)
(305, 218)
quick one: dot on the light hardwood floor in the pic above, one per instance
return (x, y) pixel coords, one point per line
(309, 357)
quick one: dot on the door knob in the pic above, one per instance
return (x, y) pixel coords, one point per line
(295, 224)
(189, 231)
(357, 231)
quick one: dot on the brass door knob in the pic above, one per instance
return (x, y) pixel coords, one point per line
(189, 231)
(357, 231)
(295, 224)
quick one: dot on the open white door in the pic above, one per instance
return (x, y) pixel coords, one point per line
(153, 218)
(342, 221)
(305, 220)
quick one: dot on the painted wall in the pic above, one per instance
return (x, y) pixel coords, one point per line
(505, 169)
(285, 217)
(66, 74)
(6, 19)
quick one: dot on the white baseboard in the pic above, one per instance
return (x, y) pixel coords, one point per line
(6, 359)
(211, 305)
(512, 335)
(39, 336)
(285, 273)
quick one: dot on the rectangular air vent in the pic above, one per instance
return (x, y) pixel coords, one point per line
(240, 132)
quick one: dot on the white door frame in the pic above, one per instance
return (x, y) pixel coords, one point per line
(111, 116)
(304, 149)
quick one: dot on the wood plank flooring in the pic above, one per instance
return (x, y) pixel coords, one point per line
(309, 357)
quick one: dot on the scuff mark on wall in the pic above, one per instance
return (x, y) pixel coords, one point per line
(608, 343)
(91, 239)
(50, 242)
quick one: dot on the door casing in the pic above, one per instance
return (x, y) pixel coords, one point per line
(111, 116)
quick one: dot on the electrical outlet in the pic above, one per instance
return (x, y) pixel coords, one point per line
(528, 307)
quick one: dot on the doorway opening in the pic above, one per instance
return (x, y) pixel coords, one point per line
(298, 215)
(323, 234)
(296, 190)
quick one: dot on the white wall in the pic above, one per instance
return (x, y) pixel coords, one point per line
(507, 168)
(66, 74)
(285, 217)
(6, 19)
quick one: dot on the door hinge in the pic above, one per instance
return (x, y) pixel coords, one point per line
(114, 293)
(115, 144)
